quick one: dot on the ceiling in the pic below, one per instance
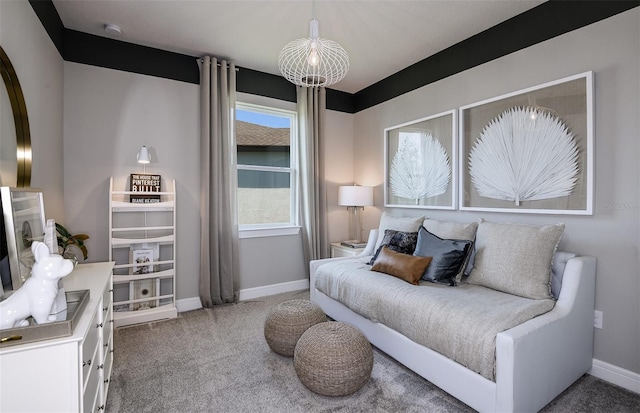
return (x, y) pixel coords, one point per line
(381, 37)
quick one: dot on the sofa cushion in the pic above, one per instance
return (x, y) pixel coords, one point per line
(461, 323)
(406, 267)
(399, 241)
(515, 258)
(449, 257)
(404, 224)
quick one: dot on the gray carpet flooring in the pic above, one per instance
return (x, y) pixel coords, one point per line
(216, 360)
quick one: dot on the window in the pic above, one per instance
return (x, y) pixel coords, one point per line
(265, 142)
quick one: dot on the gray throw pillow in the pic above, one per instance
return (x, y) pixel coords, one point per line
(455, 230)
(449, 257)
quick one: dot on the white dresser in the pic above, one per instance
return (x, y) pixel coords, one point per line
(68, 374)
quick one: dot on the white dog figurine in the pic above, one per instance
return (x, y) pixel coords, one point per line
(36, 296)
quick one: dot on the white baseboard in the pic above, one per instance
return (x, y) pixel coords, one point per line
(251, 293)
(616, 375)
(188, 304)
(193, 303)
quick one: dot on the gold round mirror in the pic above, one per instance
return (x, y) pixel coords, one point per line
(15, 139)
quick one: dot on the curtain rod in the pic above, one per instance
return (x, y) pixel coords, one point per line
(199, 59)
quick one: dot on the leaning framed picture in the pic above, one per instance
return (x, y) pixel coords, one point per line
(530, 151)
(24, 222)
(420, 163)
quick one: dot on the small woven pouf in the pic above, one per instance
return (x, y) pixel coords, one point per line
(333, 359)
(287, 321)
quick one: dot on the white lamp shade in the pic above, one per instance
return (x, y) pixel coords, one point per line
(355, 195)
(143, 155)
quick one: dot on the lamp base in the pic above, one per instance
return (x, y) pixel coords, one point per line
(355, 224)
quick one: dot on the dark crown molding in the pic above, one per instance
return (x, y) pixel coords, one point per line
(519, 32)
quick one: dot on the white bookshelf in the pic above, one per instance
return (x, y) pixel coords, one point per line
(143, 292)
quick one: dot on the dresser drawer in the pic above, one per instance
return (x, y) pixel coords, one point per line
(107, 301)
(90, 397)
(107, 326)
(90, 346)
(108, 365)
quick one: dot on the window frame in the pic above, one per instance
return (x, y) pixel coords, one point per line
(274, 229)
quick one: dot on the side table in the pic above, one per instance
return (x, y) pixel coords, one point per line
(338, 250)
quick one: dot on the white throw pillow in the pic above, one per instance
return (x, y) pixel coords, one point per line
(404, 224)
(515, 258)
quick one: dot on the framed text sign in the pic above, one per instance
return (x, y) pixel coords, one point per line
(144, 183)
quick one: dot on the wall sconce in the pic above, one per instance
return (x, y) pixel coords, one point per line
(144, 157)
(355, 198)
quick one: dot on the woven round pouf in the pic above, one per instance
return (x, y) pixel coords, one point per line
(333, 359)
(287, 321)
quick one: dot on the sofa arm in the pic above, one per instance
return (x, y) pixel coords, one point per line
(313, 267)
(371, 243)
(549, 352)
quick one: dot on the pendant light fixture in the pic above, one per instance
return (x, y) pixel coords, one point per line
(313, 61)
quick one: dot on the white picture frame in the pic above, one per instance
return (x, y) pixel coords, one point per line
(566, 102)
(24, 221)
(416, 155)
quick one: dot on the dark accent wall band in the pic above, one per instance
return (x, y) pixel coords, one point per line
(536, 25)
(50, 19)
(548, 20)
(94, 50)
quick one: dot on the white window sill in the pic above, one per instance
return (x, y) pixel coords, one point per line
(268, 232)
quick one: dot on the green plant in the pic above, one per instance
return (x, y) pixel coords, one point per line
(66, 240)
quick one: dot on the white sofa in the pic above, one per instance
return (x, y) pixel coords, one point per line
(535, 361)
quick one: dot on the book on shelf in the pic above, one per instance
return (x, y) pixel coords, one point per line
(144, 183)
(353, 244)
(143, 260)
(144, 289)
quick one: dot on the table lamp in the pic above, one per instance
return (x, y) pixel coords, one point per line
(355, 198)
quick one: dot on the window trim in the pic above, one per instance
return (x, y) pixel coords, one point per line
(275, 229)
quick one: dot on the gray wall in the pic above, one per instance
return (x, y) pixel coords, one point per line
(39, 68)
(109, 114)
(611, 49)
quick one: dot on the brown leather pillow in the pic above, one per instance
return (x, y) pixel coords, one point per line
(404, 266)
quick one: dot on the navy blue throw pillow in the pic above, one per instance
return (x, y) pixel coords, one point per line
(398, 241)
(449, 256)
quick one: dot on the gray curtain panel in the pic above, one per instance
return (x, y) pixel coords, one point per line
(312, 188)
(218, 177)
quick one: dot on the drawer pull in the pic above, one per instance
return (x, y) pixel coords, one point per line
(105, 308)
(111, 351)
(10, 338)
(86, 363)
(106, 381)
(106, 345)
(101, 407)
(99, 325)
(100, 367)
